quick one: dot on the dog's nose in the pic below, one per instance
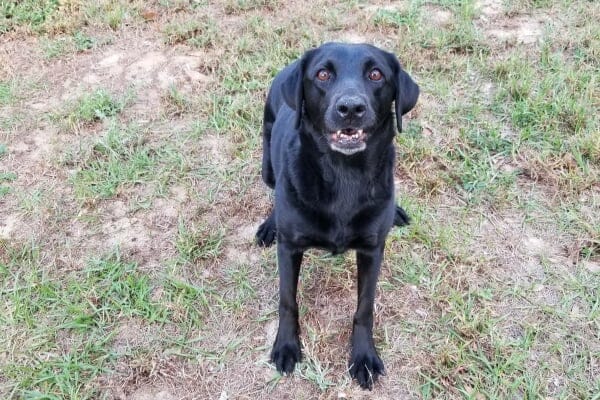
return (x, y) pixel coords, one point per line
(351, 106)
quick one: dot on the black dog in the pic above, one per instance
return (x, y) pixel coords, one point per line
(328, 153)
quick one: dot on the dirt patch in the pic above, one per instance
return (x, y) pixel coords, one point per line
(438, 16)
(490, 8)
(519, 29)
(152, 394)
(522, 251)
(525, 30)
(8, 226)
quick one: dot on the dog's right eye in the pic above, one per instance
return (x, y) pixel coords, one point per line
(323, 75)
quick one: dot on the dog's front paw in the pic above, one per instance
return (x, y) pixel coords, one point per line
(265, 235)
(401, 218)
(285, 355)
(366, 367)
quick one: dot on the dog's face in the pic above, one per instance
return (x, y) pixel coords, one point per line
(346, 92)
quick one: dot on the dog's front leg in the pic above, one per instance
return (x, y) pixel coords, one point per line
(286, 350)
(365, 364)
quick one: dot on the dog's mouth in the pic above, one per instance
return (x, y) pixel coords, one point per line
(348, 141)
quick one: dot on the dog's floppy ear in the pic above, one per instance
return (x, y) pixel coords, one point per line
(292, 92)
(407, 91)
(292, 87)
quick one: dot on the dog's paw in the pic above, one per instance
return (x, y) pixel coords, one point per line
(285, 355)
(265, 235)
(401, 218)
(366, 367)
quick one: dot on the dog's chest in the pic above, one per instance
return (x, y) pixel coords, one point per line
(344, 214)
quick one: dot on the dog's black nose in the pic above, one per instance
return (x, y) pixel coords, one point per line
(350, 106)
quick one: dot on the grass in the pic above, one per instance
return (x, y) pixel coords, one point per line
(118, 159)
(78, 42)
(127, 263)
(29, 13)
(6, 92)
(91, 107)
(197, 33)
(195, 244)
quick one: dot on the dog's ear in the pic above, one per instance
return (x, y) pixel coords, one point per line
(407, 91)
(292, 92)
(292, 87)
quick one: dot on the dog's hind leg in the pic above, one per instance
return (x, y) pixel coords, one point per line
(265, 235)
(401, 218)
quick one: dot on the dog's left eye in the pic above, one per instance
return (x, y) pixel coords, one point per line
(323, 75)
(375, 75)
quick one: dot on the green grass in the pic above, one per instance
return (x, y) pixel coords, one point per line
(176, 103)
(240, 6)
(120, 158)
(197, 33)
(87, 310)
(91, 107)
(6, 92)
(127, 262)
(195, 244)
(58, 47)
(82, 307)
(30, 13)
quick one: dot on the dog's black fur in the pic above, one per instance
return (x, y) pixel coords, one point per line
(328, 153)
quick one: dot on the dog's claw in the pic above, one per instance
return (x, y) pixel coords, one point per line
(401, 218)
(366, 369)
(286, 356)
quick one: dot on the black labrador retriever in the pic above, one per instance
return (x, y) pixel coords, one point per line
(328, 152)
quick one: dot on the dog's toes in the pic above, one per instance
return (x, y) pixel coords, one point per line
(286, 356)
(401, 218)
(265, 235)
(366, 368)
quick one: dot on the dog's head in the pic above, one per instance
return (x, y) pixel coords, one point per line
(346, 92)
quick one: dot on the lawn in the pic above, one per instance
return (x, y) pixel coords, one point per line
(130, 192)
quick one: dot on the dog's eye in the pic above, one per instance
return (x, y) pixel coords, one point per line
(375, 75)
(323, 75)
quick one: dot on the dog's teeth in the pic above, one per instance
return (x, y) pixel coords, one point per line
(360, 131)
